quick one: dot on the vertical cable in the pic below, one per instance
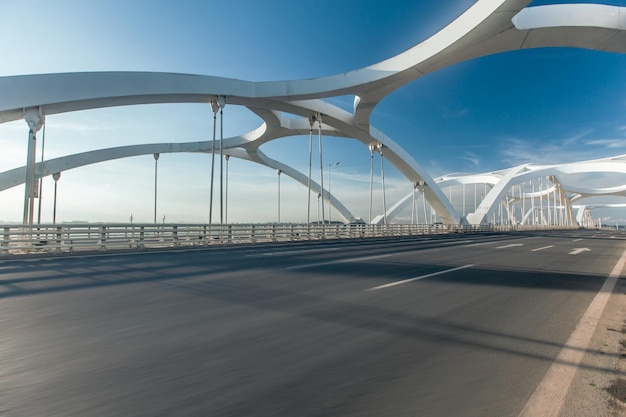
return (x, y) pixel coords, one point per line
(319, 130)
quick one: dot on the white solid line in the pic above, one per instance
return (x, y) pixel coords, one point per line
(545, 247)
(549, 396)
(404, 281)
(341, 261)
(290, 252)
(481, 244)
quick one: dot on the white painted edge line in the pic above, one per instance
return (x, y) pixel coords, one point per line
(341, 261)
(542, 248)
(549, 397)
(404, 281)
(481, 244)
(291, 252)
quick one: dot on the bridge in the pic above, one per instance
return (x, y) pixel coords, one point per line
(300, 107)
(487, 299)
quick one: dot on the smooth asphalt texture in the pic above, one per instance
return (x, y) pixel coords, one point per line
(297, 329)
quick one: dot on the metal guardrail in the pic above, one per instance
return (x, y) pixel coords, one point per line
(19, 239)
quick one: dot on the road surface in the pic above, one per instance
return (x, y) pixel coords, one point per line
(424, 326)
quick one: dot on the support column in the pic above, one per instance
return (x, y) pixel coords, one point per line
(35, 118)
(382, 175)
(413, 208)
(40, 183)
(221, 101)
(226, 158)
(308, 210)
(156, 162)
(279, 172)
(319, 131)
(56, 177)
(215, 107)
(371, 182)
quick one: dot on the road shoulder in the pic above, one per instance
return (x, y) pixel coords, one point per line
(599, 387)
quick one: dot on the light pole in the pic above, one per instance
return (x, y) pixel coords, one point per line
(40, 187)
(330, 168)
(156, 161)
(279, 172)
(55, 177)
(227, 157)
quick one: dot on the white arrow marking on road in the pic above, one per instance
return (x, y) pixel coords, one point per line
(510, 245)
(576, 251)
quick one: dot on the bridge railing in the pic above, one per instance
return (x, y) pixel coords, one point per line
(15, 239)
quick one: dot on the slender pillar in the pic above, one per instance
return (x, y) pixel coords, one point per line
(319, 131)
(226, 158)
(330, 168)
(413, 208)
(40, 184)
(463, 185)
(56, 177)
(221, 100)
(308, 210)
(156, 161)
(34, 118)
(279, 172)
(532, 201)
(522, 203)
(371, 181)
(541, 218)
(555, 208)
(475, 198)
(215, 107)
(382, 174)
(319, 196)
(424, 201)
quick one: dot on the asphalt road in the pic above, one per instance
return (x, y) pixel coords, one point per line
(450, 326)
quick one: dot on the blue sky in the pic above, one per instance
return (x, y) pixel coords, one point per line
(548, 105)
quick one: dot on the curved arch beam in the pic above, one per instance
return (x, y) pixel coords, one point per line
(16, 176)
(485, 28)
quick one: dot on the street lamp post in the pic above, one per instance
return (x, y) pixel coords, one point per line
(330, 168)
(279, 172)
(55, 177)
(156, 160)
(226, 158)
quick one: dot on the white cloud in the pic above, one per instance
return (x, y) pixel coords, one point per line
(472, 158)
(608, 143)
(575, 147)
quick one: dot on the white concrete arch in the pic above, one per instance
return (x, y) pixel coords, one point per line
(580, 209)
(485, 28)
(520, 174)
(232, 147)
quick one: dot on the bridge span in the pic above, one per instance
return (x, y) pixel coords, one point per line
(451, 325)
